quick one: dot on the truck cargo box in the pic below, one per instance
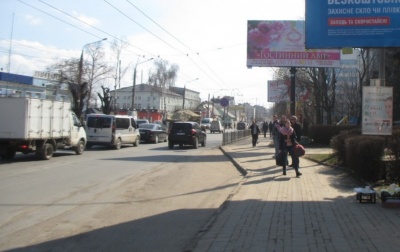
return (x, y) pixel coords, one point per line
(27, 118)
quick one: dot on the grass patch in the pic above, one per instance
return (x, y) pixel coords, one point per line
(327, 159)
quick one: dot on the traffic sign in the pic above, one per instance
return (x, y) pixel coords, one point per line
(224, 102)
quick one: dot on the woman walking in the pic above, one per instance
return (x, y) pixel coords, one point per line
(287, 141)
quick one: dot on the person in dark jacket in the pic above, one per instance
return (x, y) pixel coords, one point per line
(270, 125)
(297, 129)
(287, 141)
(265, 128)
(255, 131)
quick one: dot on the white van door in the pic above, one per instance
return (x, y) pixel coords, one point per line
(99, 129)
(123, 129)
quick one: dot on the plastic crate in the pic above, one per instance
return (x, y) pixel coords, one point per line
(366, 197)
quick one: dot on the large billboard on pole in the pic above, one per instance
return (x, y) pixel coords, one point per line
(352, 23)
(282, 44)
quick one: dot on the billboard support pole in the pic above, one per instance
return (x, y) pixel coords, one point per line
(292, 91)
(382, 66)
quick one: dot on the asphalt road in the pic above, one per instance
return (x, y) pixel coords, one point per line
(145, 198)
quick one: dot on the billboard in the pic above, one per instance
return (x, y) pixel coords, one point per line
(377, 110)
(352, 23)
(282, 44)
(279, 91)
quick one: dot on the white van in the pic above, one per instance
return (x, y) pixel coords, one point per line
(206, 123)
(216, 126)
(111, 130)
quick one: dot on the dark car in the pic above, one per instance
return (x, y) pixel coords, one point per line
(186, 133)
(241, 126)
(152, 132)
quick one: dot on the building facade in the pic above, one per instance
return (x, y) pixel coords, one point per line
(154, 99)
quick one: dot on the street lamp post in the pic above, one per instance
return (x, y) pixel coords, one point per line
(134, 81)
(80, 73)
(81, 60)
(184, 93)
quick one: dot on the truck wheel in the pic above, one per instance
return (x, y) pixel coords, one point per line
(47, 152)
(79, 147)
(137, 142)
(118, 144)
(10, 154)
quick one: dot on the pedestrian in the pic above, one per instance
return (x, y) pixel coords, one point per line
(270, 125)
(287, 141)
(275, 134)
(265, 128)
(297, 129)
(255, 131)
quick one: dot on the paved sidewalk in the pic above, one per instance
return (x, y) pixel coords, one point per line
(316, 212)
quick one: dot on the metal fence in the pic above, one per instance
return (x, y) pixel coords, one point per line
(233, 136)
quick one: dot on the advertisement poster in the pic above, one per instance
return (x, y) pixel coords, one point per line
(279, 91)
(352, 23)
(282, 44)
(377, 110)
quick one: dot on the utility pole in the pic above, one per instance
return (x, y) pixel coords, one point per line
(134, 81)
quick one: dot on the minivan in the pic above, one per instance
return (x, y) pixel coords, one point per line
(206, 123)
(216, 126)
(111, 130)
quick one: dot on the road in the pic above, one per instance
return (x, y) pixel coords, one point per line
(145, 198)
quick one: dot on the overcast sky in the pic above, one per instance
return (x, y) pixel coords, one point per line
(206, 38)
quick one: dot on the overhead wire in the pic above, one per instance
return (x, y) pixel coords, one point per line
(196, 53)
(51, 6)
(149, 53)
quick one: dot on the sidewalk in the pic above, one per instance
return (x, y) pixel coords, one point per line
(316, 212)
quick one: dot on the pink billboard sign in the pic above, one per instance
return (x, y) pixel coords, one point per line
(282, 44)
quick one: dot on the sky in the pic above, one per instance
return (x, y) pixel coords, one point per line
(207, 39)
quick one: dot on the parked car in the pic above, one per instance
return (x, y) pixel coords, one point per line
(216, 126)
(206, 123)
(186, 133)
(241, 126)
(140, 121)
(152, 132)
(111, 130)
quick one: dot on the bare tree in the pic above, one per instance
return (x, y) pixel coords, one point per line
(164, 75)
(69, 73)
(96, 69)
(117, 47)
(105, 99)
(82, 75)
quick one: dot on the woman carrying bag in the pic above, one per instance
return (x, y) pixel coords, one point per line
(287, 142)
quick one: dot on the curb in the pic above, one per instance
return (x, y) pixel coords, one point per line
(235, 163)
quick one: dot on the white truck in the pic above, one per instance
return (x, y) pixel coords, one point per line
(41, 126)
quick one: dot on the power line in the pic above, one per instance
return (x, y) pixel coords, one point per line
(196, 53)
(142, 26)
(51, 6)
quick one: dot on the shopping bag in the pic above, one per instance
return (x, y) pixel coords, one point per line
(279, 159)
(299, 150)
